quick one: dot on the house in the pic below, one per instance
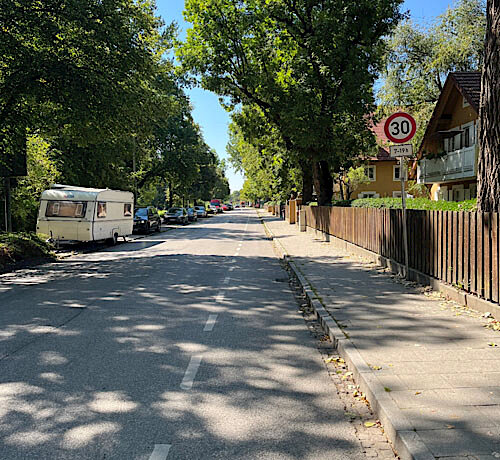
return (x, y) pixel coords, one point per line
(382, 170)
(448, 152)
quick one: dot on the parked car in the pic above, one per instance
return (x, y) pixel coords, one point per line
(210, 210)
(200, 211)
(230, 206)
(177, 216)
(147, 219)
(225, 207)
(216, 208)
(192, 216)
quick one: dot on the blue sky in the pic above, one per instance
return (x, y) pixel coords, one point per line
(208, 113)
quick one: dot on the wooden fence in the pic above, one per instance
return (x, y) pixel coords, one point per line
(460, 248)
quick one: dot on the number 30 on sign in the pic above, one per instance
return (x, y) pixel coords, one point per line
(400, 127)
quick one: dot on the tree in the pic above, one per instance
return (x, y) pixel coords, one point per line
(489, 114)
(305, 64)
(419, 58)
(354, 178)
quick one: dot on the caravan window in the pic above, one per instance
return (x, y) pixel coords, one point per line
(101, 209)
(127, 209)
(66, 209)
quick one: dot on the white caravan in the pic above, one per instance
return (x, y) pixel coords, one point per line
(70, 213)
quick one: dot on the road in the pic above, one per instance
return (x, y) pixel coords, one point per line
(181, 345)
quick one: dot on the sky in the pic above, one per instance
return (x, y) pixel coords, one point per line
(207, 111)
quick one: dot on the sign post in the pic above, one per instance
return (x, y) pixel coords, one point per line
(399, 128)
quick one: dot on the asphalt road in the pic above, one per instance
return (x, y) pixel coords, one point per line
(181, 345)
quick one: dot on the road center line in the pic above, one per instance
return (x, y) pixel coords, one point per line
(226, 280)
(192, 369)
(209, 325)
(160, 452)
(230, 269)
(219, 297)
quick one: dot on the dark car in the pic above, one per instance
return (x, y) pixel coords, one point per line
(176, 216)
(147, 219)
(200, 211)
(192, 216)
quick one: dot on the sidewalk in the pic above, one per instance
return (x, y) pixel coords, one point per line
(430, 368)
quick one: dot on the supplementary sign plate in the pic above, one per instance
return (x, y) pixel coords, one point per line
(404, 150)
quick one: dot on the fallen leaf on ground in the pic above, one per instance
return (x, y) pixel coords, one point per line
(376, 368)
(450, 427)
(369, 424)
(493, 344)
(418, 392)
(387, 389)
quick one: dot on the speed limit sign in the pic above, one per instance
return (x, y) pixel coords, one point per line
(400, 127)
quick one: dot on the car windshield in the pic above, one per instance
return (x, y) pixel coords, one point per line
(141, 212)
(174, 210)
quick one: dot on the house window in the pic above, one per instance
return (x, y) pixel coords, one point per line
(465, 103)
(101, 209)
(370, 172)
(127, 209)
(396, 173)
(368, 195)
(468, 135)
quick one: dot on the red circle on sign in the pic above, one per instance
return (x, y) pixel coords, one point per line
(393, 127)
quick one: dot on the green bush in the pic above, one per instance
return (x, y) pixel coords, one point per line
(15, 247)
(415, 203)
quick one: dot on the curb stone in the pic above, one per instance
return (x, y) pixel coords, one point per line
(398, 429)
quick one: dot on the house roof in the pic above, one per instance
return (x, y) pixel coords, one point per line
(382, 142)
(469, 86)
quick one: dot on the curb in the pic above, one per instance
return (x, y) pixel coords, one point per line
(406, 441)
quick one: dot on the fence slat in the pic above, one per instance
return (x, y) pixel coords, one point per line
(494, 257)
(460, 250)
(487, 255)
(467, 250)
(480, 253)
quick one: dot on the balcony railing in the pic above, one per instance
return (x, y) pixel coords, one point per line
(460, 164)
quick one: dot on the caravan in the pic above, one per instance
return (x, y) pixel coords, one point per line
(70, 213)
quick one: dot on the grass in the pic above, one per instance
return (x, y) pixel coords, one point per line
(16, 247)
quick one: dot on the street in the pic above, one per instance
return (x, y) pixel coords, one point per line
(181, 345)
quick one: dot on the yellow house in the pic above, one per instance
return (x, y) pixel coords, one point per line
(448, 152)
(382, 170)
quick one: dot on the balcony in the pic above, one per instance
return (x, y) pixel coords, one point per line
(460, 164)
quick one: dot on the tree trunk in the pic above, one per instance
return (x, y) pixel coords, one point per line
(489, 115)
(307, 182)
(323, 182)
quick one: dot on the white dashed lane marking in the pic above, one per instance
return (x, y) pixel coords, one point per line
(160, 452)
(209, 325)
(192, 369)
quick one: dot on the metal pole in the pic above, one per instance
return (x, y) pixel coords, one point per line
(402, 175)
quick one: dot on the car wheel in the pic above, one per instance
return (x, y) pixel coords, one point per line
(158, 226)
(147, 228)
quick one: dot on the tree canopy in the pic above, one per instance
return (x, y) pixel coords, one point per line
(90, 88)
(306, 65)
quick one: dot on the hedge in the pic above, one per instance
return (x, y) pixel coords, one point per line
(411, 203)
